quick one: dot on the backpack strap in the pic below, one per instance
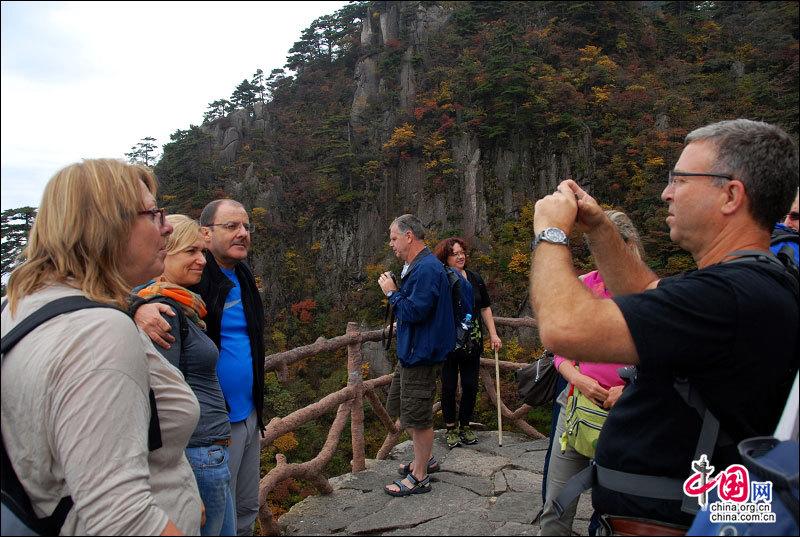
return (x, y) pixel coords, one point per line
(17, 501)
(755, 255)
(710, 434)
(649, 486)
(55, 308)
(13, 493)
(388, 318)
(183, 322)
(782, 262)
(386, 340)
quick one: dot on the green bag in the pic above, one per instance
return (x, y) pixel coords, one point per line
(582, 425)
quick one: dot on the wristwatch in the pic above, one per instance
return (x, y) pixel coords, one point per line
(552, 235)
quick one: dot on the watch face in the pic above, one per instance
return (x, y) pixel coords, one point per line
(553, 234)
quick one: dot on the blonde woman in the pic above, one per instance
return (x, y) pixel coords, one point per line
(196, 356)
(75, 403)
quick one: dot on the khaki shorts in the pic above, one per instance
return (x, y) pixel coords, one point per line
(411, 395)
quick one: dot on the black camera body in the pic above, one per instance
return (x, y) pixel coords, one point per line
(394, 279)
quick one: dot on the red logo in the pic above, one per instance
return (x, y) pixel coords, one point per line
(733, 483)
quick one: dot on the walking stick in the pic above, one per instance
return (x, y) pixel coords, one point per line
(499, 414)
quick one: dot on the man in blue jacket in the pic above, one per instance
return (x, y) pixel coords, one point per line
(425, 335)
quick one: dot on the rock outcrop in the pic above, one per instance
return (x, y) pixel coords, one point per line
(481, 490)
(382, 100)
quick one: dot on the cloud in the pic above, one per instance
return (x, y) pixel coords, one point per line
(90, 79)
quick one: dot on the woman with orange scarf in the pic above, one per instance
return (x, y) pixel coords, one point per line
(196, 356)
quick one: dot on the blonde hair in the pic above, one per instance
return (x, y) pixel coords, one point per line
(81, 232)
(185, 232)
(627, 230)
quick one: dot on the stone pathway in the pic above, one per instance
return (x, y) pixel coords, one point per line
(481, 489)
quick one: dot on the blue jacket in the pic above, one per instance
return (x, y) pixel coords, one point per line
(782, 230)
(424, 312)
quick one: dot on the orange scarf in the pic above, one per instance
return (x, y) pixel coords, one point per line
(191, 303)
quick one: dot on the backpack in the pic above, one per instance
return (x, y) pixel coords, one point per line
(462, 317)
(18, 516)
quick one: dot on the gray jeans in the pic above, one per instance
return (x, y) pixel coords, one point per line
(244, 464)
(562, 467)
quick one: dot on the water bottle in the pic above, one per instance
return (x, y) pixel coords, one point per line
(465, 324)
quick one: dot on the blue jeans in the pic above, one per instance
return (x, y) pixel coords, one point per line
(210, 466)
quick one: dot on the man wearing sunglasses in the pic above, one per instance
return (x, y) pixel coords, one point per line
(724, 335)
(784, 237)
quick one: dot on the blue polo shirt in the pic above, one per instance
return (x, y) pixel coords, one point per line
(235, 365)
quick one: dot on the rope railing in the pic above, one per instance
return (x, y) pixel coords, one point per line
(349, 402)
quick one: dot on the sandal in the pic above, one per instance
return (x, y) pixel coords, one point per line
(433, 466)
(418, 487)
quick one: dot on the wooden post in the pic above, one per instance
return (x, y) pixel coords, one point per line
(355, 378)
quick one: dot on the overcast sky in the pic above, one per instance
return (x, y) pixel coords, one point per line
(90, 79)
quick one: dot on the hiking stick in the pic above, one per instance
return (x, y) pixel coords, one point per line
(499, 414)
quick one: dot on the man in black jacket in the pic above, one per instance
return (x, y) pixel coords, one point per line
(235, 322)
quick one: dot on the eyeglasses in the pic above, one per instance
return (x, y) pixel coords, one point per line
(674, 173)
(233, 226)
(793, 216)
(160, 212)
(459, 254)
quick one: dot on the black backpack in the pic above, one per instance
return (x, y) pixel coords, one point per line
(464, 339)
(15, 500)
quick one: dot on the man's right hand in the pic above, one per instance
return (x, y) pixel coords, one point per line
(148, 318)
(590, 214)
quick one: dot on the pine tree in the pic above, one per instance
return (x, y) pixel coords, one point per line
(258, 84)
(244, 96)
(16, 226)
(143, 152)
(217, 109)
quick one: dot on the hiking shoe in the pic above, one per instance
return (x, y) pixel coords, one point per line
(467, 435)
(453, 438)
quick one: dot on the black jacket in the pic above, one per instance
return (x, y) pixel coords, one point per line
(214, 287)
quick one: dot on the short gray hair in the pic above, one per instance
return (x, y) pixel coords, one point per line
(409, 222)
(762, 156)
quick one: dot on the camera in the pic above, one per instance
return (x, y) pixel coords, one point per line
(394, 278)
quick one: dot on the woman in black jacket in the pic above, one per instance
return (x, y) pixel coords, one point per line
(452, 251)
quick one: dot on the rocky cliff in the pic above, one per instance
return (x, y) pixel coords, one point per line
(466, 113)
(380, 102)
